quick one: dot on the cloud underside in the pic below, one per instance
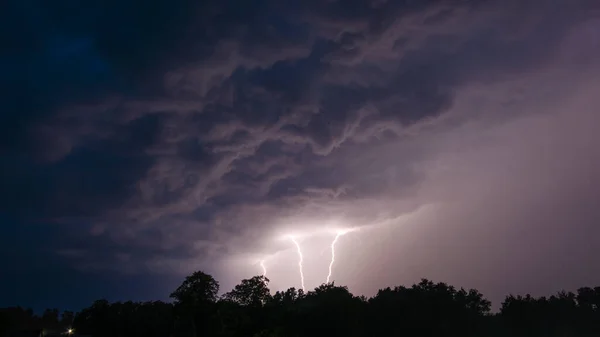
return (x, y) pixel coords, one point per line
(458, 138)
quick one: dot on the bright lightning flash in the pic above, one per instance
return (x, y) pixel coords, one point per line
(338, 234)
(262, 265)
(300, 261)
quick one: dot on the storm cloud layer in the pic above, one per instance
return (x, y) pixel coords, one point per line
(150, 139)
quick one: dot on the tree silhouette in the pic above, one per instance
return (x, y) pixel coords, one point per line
(434, 309)
(250, 292)
(196, 290)
(194, 301)
(133, 319)
(588, 300)
(328, 310)
(66, 319)
(249, 310)
(247, 300)
(50, 319)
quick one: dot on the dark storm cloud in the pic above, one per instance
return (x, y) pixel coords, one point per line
(174, 135)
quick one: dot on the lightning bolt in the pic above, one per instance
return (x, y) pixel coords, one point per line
(337, 236)
(300, 260)
(262, 265)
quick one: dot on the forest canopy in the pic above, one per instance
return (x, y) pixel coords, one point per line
(251, 309)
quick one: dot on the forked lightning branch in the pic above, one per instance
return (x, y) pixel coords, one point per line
(296, 244)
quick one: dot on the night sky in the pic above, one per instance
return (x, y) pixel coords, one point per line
(142, 140)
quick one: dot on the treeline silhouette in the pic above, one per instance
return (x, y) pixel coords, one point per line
(250, 310)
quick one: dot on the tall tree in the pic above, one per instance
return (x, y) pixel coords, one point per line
(197, 289)
(195, 299)
(329, 310)
(250, 296)
(250, 292)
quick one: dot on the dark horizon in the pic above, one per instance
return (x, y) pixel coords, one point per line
(426, 308)
(222, 295)
(449, 140)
